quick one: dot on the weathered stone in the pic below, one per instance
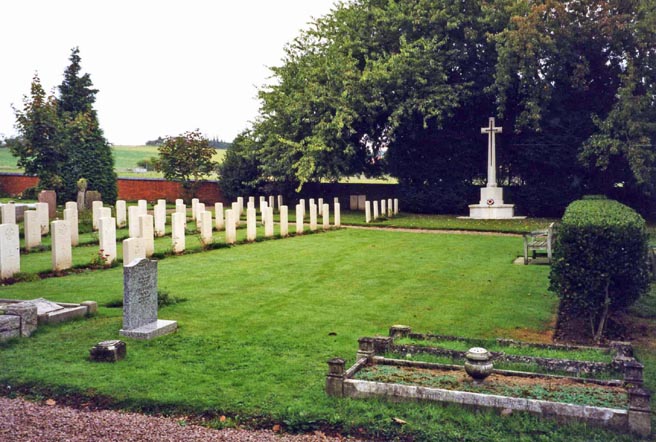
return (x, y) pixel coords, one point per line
(140, 302)
(361, 200)
(89, 197)
(91, 306)
(335, 377)
(9, 327)
(146, 232)
(62, 254)
(28, 316)
(66, 314)
(81, 201)
(121, 214)
(107, 239)
(219, 223)
(50, 198)
(178, 239)
(9, 250)
(95, 213)
(133, 249)
(284, 221)
(70, 216)
(108, 351)
(251, 225)
(44, 219)
(353, 202)
(8, 213)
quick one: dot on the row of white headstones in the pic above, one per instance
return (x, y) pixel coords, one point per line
(143, 227)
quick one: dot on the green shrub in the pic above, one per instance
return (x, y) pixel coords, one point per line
(600, 261)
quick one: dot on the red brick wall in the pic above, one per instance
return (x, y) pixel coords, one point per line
(128, 189)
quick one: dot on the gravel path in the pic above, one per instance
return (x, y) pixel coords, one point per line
(22, 420)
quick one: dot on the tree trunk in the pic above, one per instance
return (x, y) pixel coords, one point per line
(604, 314)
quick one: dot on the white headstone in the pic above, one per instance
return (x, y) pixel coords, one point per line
(181, 208)
(250, 205)
(284, 221)
(325, 213)
(353, 202)
(133, 249)
(320, 206)
(70, 216)
(251, 224)
(310, 201)
(264, 211)
(9, 250)
(390, 209)
(140, 302)
(313, 216)
(162, 202)
(396, 206)
(235, 212)
(375, 210)
(147, 233)
(361, 201)
(134, 230)
(299, 219)
(218, 216)
(32, 229)
(178, 242)
(383, 208)
(251, 200)
(338, 215)
(143, 207)
(179, 201)
(121, 214)
(8, 212)
(62, 254)
(206, 227)
(104, 212)
(107, 239)
(95, 213)
(268, 223)
(301, 202)
(194, 211)
(271, 201)
(240, 201)
(159, 215)
(279, 202)
(200, 208)
(44, 219)
(230, 227)
(367, 212)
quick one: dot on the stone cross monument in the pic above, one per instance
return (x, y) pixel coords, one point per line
(491, 204)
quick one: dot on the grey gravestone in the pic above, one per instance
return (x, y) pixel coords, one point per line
(140, 302)
(90, 197)
(108, 351)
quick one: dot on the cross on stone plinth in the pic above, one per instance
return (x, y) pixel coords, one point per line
(491, 130)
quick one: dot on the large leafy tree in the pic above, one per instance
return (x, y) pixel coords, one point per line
(38, 146)
(186, 158)
(89, 155)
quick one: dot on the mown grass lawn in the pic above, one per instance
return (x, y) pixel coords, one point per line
(261, 320)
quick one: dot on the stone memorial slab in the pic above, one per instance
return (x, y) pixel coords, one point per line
(178, 240)
(200, 208)
(325, 214)
(159, 216)
(134, 229)
(375, 214)
(107, 239)
(70, 216)
(240, 202)
(383, 208)
(361, 201)
(284, 221)
(95, 213)
(279, 202)
(121, 214)
(353, 203)
(143, 207)
(43, 306)
(396, 206)
(264, 211)
(81, 201)
(32, 228)
(70, 205)
(338, 215)
(320, 206)
(299, 219)
(230, 227)
(108, 351)
(62, 253)
(179, 201)
(8, 213)
(268, 223)
(140, 302)
(251, 200)
(313, 217)
(44, 219)
(301, 202)
(28, 316)
(9, 327)
(194, 203)
(250, 205)
(219, 223)
(390, 210)
(133, 249)
(104, 212)
(367, 212)
(271, 201)
(89, 197)
(251, 225)
(206, 227)
(50, 198)
(9, 250)
(147, 233)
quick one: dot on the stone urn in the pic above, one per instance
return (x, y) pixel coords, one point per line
(478, 364)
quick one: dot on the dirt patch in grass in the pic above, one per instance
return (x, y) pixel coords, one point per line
(528, 387)
(528, 335)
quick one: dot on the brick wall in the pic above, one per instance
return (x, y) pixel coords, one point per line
(13, 183)
(132, 189)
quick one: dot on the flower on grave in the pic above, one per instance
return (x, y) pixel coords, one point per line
(490, 202)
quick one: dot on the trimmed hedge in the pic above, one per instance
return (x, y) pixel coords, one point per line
(600, 261)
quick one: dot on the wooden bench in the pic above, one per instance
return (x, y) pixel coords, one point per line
(539, 241)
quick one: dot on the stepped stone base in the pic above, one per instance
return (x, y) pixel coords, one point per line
(155, 329)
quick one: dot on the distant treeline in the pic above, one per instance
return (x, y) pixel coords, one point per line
(214, 142)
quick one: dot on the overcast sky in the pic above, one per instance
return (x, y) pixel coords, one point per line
(161, 67)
